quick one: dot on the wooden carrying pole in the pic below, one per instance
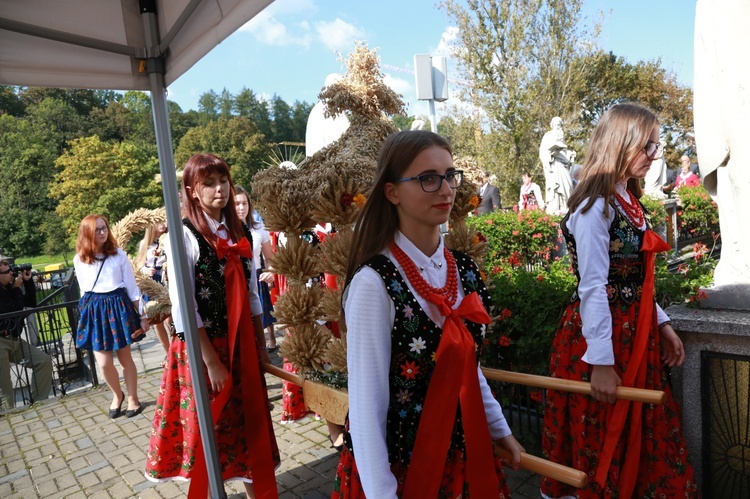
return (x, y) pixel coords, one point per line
(655, 397)
(531, 463)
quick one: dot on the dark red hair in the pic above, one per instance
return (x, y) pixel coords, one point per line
(86, 241)
(197, 169)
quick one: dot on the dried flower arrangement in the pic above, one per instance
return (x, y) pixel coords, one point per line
(332, 186)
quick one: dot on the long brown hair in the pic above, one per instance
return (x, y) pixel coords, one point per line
(249, 221)
(617, 140)
(378, 221)
(197, 169)
(86, 241)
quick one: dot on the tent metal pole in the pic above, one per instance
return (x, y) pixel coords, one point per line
(178, 266)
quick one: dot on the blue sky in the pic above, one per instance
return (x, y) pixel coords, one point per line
(291, 47)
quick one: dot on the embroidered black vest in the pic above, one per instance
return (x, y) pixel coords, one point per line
(210, 289)
(414, 342)
(626, 270)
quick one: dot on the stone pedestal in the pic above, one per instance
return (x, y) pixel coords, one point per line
(705, 331)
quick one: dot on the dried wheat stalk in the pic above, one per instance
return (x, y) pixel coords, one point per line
(465, 239)
(305, 346)
(336, 353)
(330, 305)
(136, 221)
(296, 260)
(299, 304)
(334, 253)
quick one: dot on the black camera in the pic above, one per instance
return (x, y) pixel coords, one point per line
(16, 269)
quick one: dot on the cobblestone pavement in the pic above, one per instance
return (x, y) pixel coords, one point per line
(68, 448)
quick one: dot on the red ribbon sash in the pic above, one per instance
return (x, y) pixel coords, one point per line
(240, 327)
(455, 353)
(634, 376)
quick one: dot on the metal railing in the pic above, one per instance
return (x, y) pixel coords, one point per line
(50, 327)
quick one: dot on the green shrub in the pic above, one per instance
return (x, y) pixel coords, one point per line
(517, 239)
(655, 214)
(683, 286)
(528, 305)
(698, 214)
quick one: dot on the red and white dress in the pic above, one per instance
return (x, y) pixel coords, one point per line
(602, 326)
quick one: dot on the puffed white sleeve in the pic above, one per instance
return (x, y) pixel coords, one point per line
(369, 316)
(591, 233)
(495, 418)
(128, 278)
(191, 252)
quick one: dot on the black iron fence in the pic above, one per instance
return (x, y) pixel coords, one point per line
(49, 327)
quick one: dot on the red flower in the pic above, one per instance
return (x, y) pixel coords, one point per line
(505, 313)
(489, 221)
(540, 277)
(409, 370)
(515, 232)
(503, 341)
(346, 200)
(536, 395)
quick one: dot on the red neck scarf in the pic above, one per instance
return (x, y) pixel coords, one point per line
(634, 376)
(455, 354)
(242, 333)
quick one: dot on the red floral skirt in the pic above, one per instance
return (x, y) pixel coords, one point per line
(293, 406)
(175, 434)
(348, 486)
(575, 425)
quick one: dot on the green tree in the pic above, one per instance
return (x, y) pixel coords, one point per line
(247, 105)
(208, 107)
(56, 239)
(26, 165)
(141, 121)
(283, 127)
(56, 120)
(300, 114)
(237, 141)
(10, 102)
(520, 57)
(111, 179)
(226, 104)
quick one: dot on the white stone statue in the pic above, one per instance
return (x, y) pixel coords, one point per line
(656, 176)
(722, 125)
(556, 160)
(322, 131)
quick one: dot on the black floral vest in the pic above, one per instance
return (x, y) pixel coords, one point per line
(414, 342)
(626, 269)
(210, 289)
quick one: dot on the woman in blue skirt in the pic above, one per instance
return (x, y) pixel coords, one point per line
(108, 309)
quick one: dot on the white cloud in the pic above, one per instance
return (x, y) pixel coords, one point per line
(399, 85)
(338, 35)
(447, 41)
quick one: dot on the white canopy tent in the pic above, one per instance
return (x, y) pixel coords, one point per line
(127, 45)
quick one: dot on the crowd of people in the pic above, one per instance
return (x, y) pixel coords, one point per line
(422, 420)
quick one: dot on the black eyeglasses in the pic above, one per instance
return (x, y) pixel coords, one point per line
(432, 182)
(652, 149)
(102, 230)
(3, 272)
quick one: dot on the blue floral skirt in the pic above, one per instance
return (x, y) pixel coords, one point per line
(106, 320)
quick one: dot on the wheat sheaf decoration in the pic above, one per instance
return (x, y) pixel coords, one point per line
(159, 306)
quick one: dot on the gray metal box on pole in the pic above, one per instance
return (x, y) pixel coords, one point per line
(423, 76)
(439, 78)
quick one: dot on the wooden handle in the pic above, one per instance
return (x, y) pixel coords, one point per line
(655, 397)
(546, 468)
(531, 463)
(280, 373)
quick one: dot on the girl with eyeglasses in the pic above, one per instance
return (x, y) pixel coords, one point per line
(613, 333)
(109, 320)
(415, 314)
(228, 317)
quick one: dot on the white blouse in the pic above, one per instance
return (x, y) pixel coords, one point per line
(116, 272)
(260, 236)
(591, 233)
(369, 319)
(192, 252)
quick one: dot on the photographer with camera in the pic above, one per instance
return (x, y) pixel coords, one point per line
(16, 292)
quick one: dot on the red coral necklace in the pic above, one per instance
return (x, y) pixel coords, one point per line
(449, 292)
(632, 209)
